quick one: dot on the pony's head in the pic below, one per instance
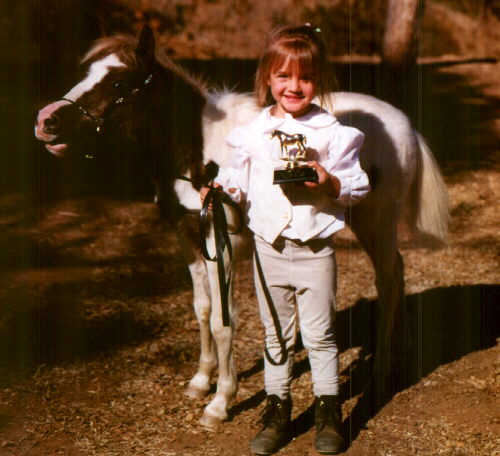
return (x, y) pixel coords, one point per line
(116, 71)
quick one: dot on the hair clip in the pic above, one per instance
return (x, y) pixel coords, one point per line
(317, 29)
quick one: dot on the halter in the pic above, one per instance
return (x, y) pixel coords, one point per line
(99, 121)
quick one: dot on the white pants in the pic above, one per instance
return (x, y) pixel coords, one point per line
(300, 280)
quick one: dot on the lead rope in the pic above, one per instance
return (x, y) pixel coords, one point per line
(274, 316)
(217, 198)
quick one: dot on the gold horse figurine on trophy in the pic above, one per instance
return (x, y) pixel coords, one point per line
(288, 141)
(295, 170)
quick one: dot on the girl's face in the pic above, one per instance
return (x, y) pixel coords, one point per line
(292, 89)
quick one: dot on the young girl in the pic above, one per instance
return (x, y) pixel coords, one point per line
(293, 224)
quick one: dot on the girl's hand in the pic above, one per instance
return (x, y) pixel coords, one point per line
(204, 191)
(327, 183)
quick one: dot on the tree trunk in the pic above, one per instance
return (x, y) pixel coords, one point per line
(399, 72)
(398, 84)
(398, 46)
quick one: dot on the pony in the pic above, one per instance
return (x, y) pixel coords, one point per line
(133, 91)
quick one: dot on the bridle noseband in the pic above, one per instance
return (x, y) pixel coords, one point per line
(99, 121)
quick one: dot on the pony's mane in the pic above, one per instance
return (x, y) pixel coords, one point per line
(121, 45)
(164, 60)
(124, 47)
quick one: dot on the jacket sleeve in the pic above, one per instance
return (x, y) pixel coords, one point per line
(236, 174)
(343, 162)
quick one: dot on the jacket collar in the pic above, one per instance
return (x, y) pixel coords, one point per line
(315, 118)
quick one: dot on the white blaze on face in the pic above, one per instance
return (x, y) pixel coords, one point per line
(96, 73)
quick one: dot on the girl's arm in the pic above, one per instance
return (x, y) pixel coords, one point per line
(343, 163)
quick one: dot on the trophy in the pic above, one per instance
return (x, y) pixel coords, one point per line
(293, 152)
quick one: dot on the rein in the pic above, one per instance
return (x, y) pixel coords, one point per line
(216, 198)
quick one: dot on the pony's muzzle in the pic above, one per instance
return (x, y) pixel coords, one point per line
(48, 123)
(51, 125)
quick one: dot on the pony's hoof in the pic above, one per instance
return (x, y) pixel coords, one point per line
(210, 421)
(196, 393)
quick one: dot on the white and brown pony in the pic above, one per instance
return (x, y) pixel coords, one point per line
(131, 91)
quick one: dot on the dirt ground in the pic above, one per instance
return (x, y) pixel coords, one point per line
(98, 339)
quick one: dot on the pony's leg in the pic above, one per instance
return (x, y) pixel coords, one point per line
(227, 382)
(302, 152)
(199, 386)
(376, 230)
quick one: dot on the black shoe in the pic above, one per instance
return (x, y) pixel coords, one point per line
(276, 426)
(328, 420)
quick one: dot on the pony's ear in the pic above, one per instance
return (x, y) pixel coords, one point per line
(146, 47)
(102, 26)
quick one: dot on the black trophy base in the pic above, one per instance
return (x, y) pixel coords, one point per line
(301, 174)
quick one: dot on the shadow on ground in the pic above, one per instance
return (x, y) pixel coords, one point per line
(59, 306)
(444, 324)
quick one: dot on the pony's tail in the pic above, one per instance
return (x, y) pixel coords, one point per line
(429, 205)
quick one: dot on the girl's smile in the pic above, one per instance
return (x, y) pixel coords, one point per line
(293, 91)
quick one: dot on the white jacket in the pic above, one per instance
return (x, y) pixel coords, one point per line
(288, 210)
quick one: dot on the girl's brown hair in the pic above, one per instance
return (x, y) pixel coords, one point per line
(302, 47)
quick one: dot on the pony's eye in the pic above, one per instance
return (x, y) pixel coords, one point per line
(117, 84)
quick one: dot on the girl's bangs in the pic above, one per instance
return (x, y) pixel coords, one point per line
(297, 59)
